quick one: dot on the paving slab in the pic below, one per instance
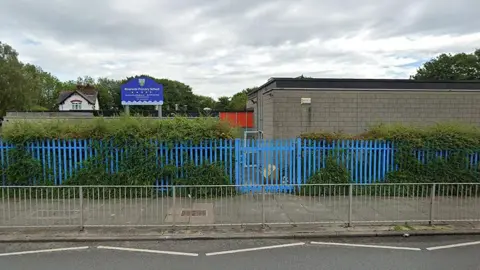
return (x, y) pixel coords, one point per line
(249, 208)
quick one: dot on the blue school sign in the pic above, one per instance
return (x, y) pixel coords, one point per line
(142, 91)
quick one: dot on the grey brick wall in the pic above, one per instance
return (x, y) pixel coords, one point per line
(353, 111)
(268, 108)
(262, 105)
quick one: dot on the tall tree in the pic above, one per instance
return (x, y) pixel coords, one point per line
(205, 102)
(461, 66)
(51, 87)
(238, 102)
(25, 87)
(11, 76)
(109, 94)
(44, 88)
(222, 104)
(85, 80)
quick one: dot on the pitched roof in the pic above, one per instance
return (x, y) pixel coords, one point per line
(87, 92)
(64, 95)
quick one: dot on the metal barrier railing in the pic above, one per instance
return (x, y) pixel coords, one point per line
(171, 206)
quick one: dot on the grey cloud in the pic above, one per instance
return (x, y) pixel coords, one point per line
(91, 22)
(167, 27)
(324, 20)
(436, 17)
(318, 19)
(95, 22)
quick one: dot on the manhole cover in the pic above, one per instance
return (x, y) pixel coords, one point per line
(194, 213)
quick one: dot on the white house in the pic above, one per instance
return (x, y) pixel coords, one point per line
(84, 98)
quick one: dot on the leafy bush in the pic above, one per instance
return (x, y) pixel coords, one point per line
(444, 149)
(120, 129)
(140, 166)
(212, 174)
(143, 167)
(451, 169)
(326, 181)
(22, 169)
(113, 163)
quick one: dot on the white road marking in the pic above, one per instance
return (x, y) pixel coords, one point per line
(149, 251)
(455, 245)
(42, 251)
(366, 246)
(253, 249)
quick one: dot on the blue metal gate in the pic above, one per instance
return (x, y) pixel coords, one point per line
(267, 162)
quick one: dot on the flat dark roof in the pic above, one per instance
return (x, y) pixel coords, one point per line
(320, 83)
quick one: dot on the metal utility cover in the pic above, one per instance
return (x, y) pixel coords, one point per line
(194, 213)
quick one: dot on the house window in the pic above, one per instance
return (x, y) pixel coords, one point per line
(76, 105)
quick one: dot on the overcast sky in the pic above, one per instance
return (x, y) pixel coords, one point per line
(220, 47)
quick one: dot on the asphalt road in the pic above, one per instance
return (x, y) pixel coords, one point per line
(358, 253)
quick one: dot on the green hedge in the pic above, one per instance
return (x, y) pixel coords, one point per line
(445, 150)
(138, 168)
(442, 136)
(121, 129)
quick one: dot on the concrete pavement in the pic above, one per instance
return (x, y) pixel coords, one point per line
(14, 235)
(243, 209)
(256, 254)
